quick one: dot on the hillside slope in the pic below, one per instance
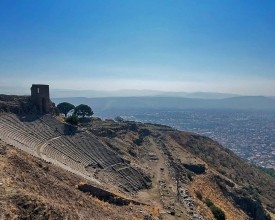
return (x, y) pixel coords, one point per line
(198, 164)
(141, 171)
(34, 189)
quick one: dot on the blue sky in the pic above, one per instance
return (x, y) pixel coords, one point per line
(171, 45)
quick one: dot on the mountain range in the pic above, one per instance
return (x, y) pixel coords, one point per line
(153, 102)
(139, 93)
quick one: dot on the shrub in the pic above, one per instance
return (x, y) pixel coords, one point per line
(199, 195)
(217, 212)
(138, 141)
(72, 119)
(208, 202)
(144, 132)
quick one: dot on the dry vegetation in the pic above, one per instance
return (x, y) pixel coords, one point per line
(256, 183)
(231, 183)
(34, 189)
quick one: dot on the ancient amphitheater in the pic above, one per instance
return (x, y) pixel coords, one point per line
(155, 167)
(69, 147)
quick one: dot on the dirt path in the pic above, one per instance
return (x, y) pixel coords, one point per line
(160, 172)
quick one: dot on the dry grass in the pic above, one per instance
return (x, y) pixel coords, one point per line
(227, 163)
(209, 190)
(34, 188)
(50, 191)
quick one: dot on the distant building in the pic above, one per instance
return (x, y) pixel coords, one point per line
(40, 96)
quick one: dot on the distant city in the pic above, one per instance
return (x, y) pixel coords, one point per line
(250, 134)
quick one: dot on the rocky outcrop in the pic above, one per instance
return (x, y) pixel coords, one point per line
(20, 105)
(243, 199)
(15, 104)
(253, 208)
(104, 195)
(195, 168)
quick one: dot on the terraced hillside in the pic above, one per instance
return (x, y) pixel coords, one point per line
(76, 150)
(169, 174)
(31, 188)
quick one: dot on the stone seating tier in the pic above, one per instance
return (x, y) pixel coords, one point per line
(62, 143)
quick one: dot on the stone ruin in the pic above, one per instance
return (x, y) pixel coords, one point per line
(39, 102)
(40, 97)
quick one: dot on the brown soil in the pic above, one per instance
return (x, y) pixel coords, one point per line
(33, 189)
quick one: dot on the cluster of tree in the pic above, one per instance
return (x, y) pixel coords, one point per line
(79, 111)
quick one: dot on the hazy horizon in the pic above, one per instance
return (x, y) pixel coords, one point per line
(69, 93)
(172, 46)
(18, 90)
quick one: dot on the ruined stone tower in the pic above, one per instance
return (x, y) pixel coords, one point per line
(40, 96)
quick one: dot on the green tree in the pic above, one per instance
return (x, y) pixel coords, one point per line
(83, 110)
(65, 107)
